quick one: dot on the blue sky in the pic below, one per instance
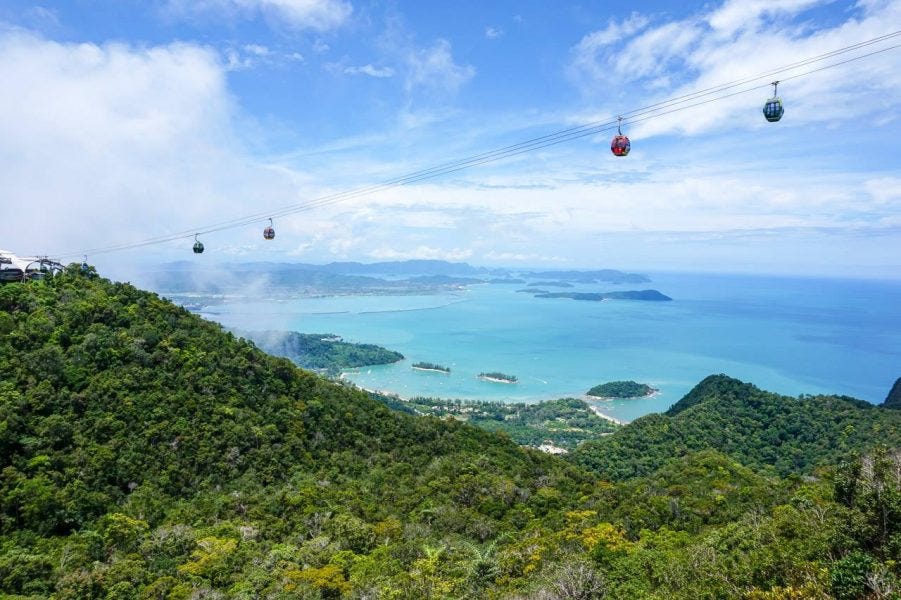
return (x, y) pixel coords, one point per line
(127, 120)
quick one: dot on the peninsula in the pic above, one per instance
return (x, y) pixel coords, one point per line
(325, 352)
(427, 366)
(621, 389)
(497, 377)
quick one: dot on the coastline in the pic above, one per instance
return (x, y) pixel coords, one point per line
(598, 412)
(593, 408)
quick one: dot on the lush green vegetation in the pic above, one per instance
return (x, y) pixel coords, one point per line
(565, 423)
(762, 430)
(321, 351)
(497, 375)
(145, 453)
(621, 389)
(431, 367)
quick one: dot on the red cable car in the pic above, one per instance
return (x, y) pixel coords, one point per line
(620, 145)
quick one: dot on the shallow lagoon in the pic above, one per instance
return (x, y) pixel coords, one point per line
(791, 336)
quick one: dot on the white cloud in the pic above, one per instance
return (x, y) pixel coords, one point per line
(528, 258)
(43, 15)
(301, 14)
(748, 15)
(492, 34)
(421, 252)
(257, 50)
(236, 61)
(250, 56)
(741, 38)
(585, 55)
(370, 70)
(431, 68)
(320, 47)
(105, 144)
(434, 67)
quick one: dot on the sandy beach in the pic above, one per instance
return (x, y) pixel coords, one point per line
(597, 411)
(493, 379)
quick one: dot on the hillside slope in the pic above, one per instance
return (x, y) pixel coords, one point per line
(147, 454)
(114, 400)
(760, 429)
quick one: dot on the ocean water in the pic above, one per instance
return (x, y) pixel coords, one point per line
(790, 336)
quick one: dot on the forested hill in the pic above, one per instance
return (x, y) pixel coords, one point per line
(760, 429)
(147, 454)
(121, 413)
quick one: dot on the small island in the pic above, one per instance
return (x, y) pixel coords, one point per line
(427, 366)
(560, 284)
(621, 389)
(497, 377)
(651, 295)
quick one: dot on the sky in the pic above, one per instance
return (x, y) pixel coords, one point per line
(124, 120)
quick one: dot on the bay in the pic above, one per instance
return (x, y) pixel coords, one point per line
(787, 335)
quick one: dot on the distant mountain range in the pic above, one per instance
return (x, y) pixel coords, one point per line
(409, 276)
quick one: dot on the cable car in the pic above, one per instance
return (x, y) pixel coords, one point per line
(84, 264)
(773, 109)
(198, 245)
(620, 145)
(269, 232)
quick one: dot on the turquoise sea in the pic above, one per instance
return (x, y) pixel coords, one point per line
(790, 336)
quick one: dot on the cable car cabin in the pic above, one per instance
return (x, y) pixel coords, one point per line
(10, 274)
(620, 145)
(198, 247)
(33, 274)
(269, 233)
(773, 109)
